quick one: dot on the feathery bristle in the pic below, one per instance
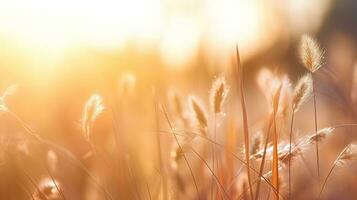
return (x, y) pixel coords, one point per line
(198, 111)
(176, 104)
(48, 190)
(302, 91)
(218, 94)
(311, 53)
(176, 156)
(267, 82)
(272, 86)
(177, 153)
(257, 143)
(348, 154)
(285, 97)
(92, 109)
(285, 156)
(127, 84)
(321, 134)
(269, 174)
(259, 154)
(52, 160)
(7, 92)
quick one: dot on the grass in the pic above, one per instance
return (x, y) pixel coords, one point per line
(167, 148)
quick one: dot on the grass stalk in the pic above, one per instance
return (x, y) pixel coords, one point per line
(245, 120)
(181, 149)
(161, 164)
(225, 195)
(316, 127)
(264, 154)
(290, 142)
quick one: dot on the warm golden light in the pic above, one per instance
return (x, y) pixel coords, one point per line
(48, 29)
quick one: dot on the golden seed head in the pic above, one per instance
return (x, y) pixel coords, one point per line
(52, 160)
(348, 154)
(302, 91)
(218, 94)
(311, 53)
(198, 112)
(92, 109)
(47, 190)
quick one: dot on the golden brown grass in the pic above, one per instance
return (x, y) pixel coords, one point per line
(152, 152)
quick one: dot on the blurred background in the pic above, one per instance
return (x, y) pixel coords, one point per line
(58, 53)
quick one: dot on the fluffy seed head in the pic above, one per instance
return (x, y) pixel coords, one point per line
(177, 153)
(285, 96)
(176, 104)
(269, 174)
(302, 91)
(218, 94)
(259, 154)
(176, 156)
(198, 112)
(92, 109)
(348, 154)
(48, 190)
(127, 83)
(267, 83)
(284, 154)
(321, 134)
(270, 85)
(52, 160)
(311, 53)
(257, 143)
(7, 92)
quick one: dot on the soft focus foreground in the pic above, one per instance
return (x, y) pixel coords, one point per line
(153, 99)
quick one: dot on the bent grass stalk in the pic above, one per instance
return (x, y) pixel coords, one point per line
(275, 178)
(181, 149)
(225, 195)
(272, 117)
(290, 142)
(157, 126)
(316, 131)
(64, 152)
(228, 151)
(348, 153)
(55, 183)
(245, 119)
(131, 174)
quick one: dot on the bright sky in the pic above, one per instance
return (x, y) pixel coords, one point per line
(175, 27)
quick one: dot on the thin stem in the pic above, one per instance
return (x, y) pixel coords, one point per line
(27, 192)
(181, 150)
(225, 195)
(157, 126)
(330, 172)
(275, 171)
(215, 139)
(263, 158)
(228, 151)
(32, 181)
(67, 154)
(316, 131)
(290, 141)
(234, 178)
(214, 159)
(325, 181)
(55, 183)
(212, 182)
(245, 120)
(132, 177)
